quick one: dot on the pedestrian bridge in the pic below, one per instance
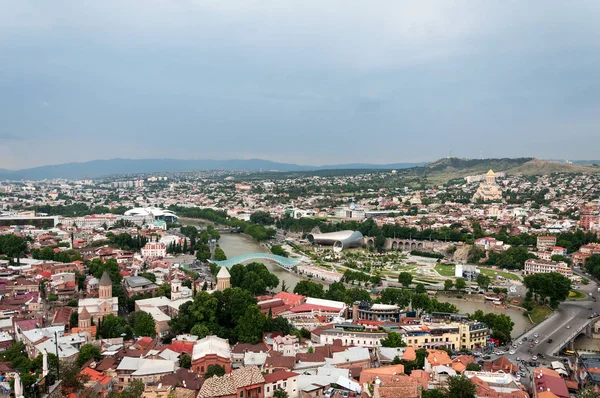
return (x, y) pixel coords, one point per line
(285, 262)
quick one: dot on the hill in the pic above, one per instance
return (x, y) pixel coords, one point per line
(101, 168)
(447, 169)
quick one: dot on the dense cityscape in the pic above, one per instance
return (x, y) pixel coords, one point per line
(346, 283)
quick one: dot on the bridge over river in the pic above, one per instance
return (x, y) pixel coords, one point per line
(285, 262)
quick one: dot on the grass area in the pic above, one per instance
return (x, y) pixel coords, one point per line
(494, 272)
(445, 270)
(576, 295)
(539, 313)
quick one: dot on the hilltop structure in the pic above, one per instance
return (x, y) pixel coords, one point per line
(488, 189)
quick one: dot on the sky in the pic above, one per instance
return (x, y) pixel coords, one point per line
(309, 81)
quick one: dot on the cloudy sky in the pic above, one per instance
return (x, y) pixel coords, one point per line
(307, 81)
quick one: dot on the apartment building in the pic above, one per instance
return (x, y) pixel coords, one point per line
(538, 266)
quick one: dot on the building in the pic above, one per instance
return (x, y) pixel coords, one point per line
(281, 380)
(154, 250)
(286, 345)
(152, 213)
(103, 305)
(544, 242)
(223, 279)
(474, 335)
(376, 312)
(432, 335)
(149, 371)
(136, 285)
(537, 266)
(351, 212)
(246, 382)
(488, 189)
(339, 240)
(351, 334)
(211, 350)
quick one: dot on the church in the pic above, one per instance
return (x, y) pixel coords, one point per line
(97, 308)
(488, 189)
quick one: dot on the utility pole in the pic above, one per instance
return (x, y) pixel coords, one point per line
(57, 357)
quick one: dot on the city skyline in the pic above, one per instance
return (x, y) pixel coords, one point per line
(301, 82)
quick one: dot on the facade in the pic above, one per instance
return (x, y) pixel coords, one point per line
(223, 279)
(474, 335)
(154, 250)
(103, 305)
(376, 312)
(281, 380)
(488, 189)
(544, 242)
(211, 350)
(246, 382)
(287, 345)
(432, 335)
(537, 266)
(351, 212)
(355, 335)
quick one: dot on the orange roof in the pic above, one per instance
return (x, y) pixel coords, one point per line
(547, 394)
(438, 357)
(459, 367)
(409, 354)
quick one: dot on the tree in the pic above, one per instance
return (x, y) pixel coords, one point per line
(474, 367)
(214, 370)
(220, 254)
(448, 284)
(87, 352)
(72, 379)
(185, 361)
(483, 281)
(254, 277)
(435, 393)
(552, 285)
(134, 389)
(143, 324)
(284, 286)
(201, 331)
(588, 392)
(420, 288)
(251, 325)
(309, 289)
(74, 319)
(393, 340)
(461, 387)
(164, 290)
(279, 393)
(111, 327)
(460, 283)
(405, 278)
(261, 218)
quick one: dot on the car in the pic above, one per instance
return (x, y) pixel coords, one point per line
(521, 342)
(536, 335)
(512, 352)
(537, 342)
(329, 393)
(515, 346)
(487, 357)
(524, 339)
(568, 326)
(541, 355)
(531, 345)
(518, 358)
(590, 308)
(534, 357)
(345, 394)
(550, 341)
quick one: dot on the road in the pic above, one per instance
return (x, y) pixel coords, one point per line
(574, 314)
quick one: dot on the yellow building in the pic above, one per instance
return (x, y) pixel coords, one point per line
(488, 189)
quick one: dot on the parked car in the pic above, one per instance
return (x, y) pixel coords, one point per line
(550, 341)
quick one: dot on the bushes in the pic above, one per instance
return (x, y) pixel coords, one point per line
(426, 254)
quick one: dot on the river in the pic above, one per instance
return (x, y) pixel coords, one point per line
(238, 244)
(522, 323)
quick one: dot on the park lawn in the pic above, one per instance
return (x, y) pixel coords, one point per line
(576, 295)
(445, 270)
(494, 272)
(539, 313)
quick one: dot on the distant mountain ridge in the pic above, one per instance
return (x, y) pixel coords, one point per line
(102, 168)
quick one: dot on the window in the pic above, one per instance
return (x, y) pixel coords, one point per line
(268, 388)
(242, 394)
(284, 384)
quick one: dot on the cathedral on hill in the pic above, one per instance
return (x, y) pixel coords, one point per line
(488, 189)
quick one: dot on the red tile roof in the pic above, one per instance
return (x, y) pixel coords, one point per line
(279, 375)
